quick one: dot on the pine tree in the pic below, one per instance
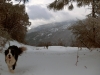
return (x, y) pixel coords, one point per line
(24, 1)
(60, 4)
(13, 20)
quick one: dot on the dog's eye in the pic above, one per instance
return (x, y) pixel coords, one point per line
(12, 51)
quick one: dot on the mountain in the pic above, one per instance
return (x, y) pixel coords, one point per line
(54, 33)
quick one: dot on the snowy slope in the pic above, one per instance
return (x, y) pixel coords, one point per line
(56, 60)
(53, 33)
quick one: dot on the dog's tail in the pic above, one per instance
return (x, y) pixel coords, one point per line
(22, 49)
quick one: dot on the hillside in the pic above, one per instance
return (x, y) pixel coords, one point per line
(53, 32)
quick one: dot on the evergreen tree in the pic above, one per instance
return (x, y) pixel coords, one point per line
(94, 5)
(24, 1)
(59, 4)
(14, 20)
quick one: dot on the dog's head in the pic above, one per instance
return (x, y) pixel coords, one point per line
(10, 52)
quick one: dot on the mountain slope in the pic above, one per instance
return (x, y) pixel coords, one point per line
(54, 33)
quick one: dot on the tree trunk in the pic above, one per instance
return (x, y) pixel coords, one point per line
(94, 16)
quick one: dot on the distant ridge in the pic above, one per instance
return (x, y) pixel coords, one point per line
(53, 32)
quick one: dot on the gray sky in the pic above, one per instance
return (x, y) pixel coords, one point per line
(39, 13)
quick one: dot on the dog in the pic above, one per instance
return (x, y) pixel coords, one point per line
(11, 56)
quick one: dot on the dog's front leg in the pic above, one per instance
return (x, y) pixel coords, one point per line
(11, 69)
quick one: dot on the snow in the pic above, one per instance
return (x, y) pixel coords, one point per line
(56, 60)
(54, 29)
(49, 34)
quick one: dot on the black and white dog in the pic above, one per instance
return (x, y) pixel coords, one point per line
(11, 56)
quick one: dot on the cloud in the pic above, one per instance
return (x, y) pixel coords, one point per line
(38, 12)
(39, 15)
(56, 17)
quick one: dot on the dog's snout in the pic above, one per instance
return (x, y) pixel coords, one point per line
(9, 55)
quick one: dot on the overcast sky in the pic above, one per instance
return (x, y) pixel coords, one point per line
(39, 13)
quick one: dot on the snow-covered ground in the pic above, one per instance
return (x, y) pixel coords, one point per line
(56, 60)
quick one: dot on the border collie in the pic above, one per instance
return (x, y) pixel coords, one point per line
(11, 56)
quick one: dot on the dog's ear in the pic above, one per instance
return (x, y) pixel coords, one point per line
(5, 52)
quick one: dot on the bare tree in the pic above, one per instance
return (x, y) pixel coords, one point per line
(83, 31)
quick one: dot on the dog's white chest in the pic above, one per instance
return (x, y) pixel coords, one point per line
(11, 61)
